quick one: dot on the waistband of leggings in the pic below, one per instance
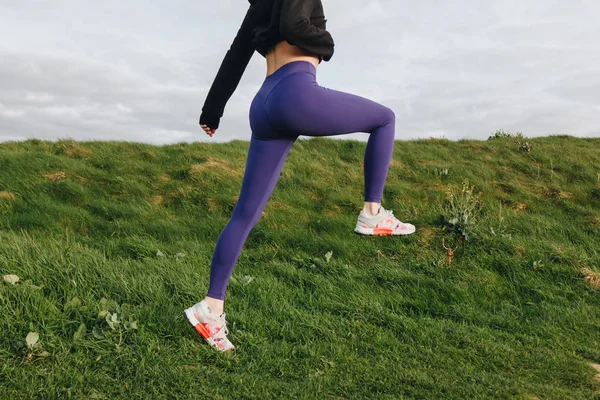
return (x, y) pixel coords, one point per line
(291, 67)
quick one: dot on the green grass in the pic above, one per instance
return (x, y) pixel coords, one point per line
(515, 315)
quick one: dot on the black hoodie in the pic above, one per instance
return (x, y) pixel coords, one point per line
(267, 22)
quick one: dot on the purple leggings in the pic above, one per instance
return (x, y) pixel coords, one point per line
(290, 103)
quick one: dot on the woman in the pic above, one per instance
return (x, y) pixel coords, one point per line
(292, 36)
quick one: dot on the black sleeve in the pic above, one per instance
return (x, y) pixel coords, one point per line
(296, 27)
(230, 73)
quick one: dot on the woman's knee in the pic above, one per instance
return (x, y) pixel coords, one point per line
(246, 216)
(389, 117)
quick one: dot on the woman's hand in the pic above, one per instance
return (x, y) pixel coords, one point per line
(209, 131)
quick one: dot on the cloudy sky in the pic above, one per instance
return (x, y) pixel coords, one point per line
(140, 70)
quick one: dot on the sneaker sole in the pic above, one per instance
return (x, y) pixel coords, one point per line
(381, 232)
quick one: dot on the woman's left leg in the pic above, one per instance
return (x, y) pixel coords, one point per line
(263, 166)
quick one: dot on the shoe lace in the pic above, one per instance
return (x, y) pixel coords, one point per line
(393, 217)
(389, 213)
(223, 331)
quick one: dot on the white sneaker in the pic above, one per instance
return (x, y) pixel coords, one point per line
(382, 224)
(211, 327)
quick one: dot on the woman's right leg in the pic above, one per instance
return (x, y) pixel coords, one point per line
(298, 105)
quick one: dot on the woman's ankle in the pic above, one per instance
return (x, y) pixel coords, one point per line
(371, 208)
(215, 305)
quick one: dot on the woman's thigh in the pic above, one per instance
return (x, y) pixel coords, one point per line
(263, 165)
(299, 106)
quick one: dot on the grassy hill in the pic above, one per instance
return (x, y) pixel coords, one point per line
(112, 240)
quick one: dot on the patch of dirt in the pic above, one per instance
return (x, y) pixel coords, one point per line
(556, 193)
(181, 192)
(6, 195)
(149, 155)
(429, 162)
(592, 278)
(277, 205)
(164, 178)
(436, 186)
(519, 251)
(396, 164)
(523, 184)
(520, 206)
(213, 163)
(315, 196)
(303, 218)
(55, 176)
(425, 236)
(335, 210)
(286, 173)
(78, 151)
(157, 200)
(597, 368)
(212, 205)
(478, 148)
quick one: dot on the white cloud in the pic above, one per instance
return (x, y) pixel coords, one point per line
(140, 71)
(39, 97)
(6, 112)
(123, 109)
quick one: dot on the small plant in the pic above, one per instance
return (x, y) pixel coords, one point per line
(522, 145)
(11, 279)
(519, 138)
(178, 257)
(500, 134)
(461, 209)
(113, 316)
(500, 229)
(443, 173)
(450, 251)
(525, 146)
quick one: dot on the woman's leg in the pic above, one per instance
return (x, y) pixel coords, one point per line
(263, 166)
(299, 106)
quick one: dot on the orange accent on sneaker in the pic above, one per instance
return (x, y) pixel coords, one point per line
(202, 330)
(382, 231)
(365, 226)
